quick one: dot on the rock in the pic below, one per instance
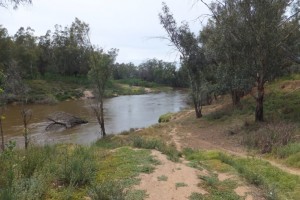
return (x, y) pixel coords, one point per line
(63, 120)
(87, 94)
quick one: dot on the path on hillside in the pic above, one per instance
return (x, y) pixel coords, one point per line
(213, 137)
(177, 181)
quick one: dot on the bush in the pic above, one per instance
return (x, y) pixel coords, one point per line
(169, 150)
(165, 118)
(107, 191)
(268, 136)
(77, 167)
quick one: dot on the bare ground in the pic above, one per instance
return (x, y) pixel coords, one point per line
(187, 131)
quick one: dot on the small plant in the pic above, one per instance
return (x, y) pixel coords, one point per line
(165, 118)
(107, 190)
(268, 136)
(169, 150)
(77, 167)
(196, 196)
(162, 178)
(180, 184)
(136, 195)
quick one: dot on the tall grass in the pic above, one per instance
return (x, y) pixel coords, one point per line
(169, 150)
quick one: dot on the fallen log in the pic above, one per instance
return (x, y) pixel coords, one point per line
(63, 120)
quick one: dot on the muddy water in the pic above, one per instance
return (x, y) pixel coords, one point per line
(121, 113)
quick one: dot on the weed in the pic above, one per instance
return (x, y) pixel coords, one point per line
(288, 150)
(165, 118)
(266, 176)
(108, 190)
(136, 195)
(269, 135)
(169, 150)
(125, 164)
(77, 167)
(162, 178)
(180, 184)
(196, 196)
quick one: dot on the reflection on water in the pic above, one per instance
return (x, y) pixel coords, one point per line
(121, 113)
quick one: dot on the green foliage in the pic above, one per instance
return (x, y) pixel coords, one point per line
(272, 180)
(217, 189)
(196, 196)
(125, 164)
(136, 195)
(180, 184)
(170, 151)
(261, 173)
(138, 82)
(109, 142)
(162, 178)
(77, 167)
(165, 118)
(108, 190)
(289, 153)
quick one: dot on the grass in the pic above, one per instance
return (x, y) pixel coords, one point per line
(125, 163)
(289, 153)
(162, 178)
(281, 103)
(180, 184)
(169, 150)
(73, 172)
(276, 183)
(165, 118)
(138, 82)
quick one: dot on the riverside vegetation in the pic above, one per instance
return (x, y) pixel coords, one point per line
(110, 168)
(248, 49)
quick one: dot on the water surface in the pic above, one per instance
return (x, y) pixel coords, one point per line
(121, 113)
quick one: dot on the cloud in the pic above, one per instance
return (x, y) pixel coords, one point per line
(127, 25)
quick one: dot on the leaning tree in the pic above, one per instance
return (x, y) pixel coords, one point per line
(191, 55)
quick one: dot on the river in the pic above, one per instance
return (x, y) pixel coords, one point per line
(121, 114)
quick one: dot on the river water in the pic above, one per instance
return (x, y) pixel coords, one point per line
(121, 113)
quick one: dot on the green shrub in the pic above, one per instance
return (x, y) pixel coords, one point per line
(169, 150)
(77, 167)
(288, 150)
(165, 118)
(109, 190)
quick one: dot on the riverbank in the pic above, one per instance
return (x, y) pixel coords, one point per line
(51, 90)
(185, 158)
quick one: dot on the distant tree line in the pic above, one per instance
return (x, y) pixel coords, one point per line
(67, 51)
(152, 70)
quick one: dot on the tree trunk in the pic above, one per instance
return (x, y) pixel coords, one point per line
(2, 135)
(259, 111)
(236, 98)
(198, 109)
(102, 118)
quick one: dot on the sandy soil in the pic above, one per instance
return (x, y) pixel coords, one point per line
(175, 173)
(186, 131)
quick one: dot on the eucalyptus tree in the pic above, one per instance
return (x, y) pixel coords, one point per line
(223, 44)
(259, 34)
(266, 35)
(71, 48)
(45, 52)
(6, 45)
(101, 67)
(191, 55)
(125, 71)
(25, 51)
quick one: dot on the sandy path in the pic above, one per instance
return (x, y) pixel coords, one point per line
(175, 173)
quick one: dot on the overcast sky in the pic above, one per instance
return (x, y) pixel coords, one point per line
(128, 25)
